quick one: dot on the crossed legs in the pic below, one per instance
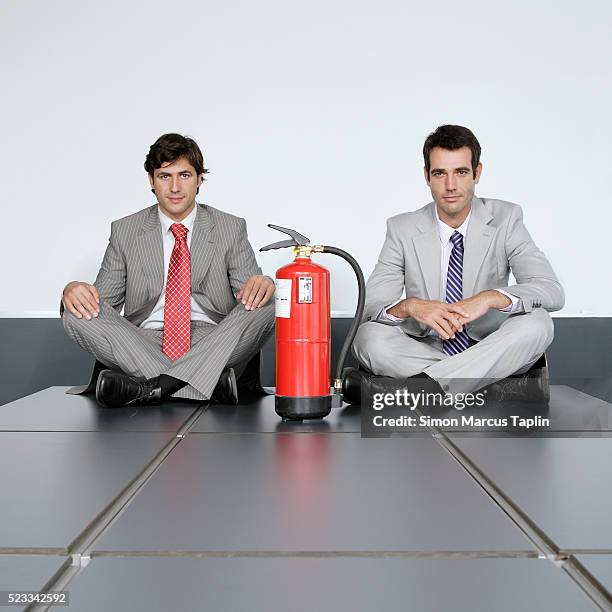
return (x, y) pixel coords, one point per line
(386, 350)
(117, 343)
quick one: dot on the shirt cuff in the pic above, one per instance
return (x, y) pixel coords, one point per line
(517, 303)
(385, 315)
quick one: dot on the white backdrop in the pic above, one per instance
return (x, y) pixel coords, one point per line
(311, 115)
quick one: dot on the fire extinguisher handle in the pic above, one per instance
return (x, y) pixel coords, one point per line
(297, 239)
(283, 244)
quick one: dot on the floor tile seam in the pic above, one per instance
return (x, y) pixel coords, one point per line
(90, 534)
(273, 433)
(584, 580)
(188, 424)
(342, 554)
(534, 434)
(586, 551)
(35, 551)
(87, 431)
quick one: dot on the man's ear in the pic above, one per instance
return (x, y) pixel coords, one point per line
(151, 182)
(426, 174)
(478, 172)
(200, 181)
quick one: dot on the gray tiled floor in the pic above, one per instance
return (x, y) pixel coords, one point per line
(284, 488)
(54, 484)
(311, 492)
(27, 572)
(300, 585)
(563, 484)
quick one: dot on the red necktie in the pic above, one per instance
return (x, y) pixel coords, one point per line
(177, 309)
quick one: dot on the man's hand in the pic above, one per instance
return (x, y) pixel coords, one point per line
(479, 304)
(256, 292)
(445, 319)
(81, 299)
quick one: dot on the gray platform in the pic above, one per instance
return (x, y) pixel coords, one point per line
(259, 416)
(311, 492)
(263, 515)
(54, 484)
(53, 410)
(573, 409)
(27, 572)
(269, 585)
(563, 484)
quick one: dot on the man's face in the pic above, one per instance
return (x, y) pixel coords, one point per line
(176, 184)
(452, 183)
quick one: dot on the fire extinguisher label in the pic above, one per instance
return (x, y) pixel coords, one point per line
(305, 290)
(282, 298)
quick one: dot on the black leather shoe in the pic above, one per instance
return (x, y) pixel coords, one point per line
(226, 391)
(250, 379)
(352, 380)
(533, 387)
(115, 389)
(351, 385)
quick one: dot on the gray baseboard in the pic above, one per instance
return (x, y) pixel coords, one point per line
(36, 353)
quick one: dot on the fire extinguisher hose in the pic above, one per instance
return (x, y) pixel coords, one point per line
(358, 313)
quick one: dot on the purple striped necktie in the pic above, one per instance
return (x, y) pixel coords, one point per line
(454, 293)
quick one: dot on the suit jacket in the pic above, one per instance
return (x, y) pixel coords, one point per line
(496, 242)
(132, 271)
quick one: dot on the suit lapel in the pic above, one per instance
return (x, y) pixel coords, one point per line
(201, 248)
(427, 247)
(477, 242)
(151, 252)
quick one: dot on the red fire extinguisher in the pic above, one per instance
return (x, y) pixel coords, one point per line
(303, 337)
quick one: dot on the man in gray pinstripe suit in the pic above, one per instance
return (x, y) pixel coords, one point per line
(231, 312)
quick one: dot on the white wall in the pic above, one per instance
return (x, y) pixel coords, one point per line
(311, 115)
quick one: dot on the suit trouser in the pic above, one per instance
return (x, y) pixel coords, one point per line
(386, 350)
(117, 343)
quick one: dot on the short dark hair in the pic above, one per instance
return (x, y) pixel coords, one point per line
(169, 147)
(452, 137)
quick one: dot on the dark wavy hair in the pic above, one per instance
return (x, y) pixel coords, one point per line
(452, 137)
(169, 148)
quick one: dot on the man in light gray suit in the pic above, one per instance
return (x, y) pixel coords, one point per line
(197, 307)
(459, 323)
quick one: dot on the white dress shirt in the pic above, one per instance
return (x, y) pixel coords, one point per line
(446, 246)
(156, 319)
